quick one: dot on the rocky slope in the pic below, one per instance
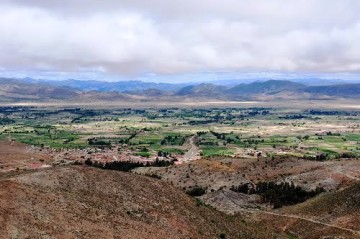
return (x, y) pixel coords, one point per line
(83, 202)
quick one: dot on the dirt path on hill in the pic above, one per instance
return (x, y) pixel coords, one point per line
(293, 217)
(14, 174)
(338, 170)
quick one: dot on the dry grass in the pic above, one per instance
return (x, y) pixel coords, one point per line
(80, 202)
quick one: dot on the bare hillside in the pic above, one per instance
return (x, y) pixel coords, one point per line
(82, 202)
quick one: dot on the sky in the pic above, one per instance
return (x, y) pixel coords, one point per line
(176, 40)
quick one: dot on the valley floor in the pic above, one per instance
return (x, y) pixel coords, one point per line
(190, 172)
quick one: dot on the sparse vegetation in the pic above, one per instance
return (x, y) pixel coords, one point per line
(196, 191)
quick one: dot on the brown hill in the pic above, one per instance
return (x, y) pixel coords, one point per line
(16, 156)
(82, 202)
(335, 214)
(341, 208)
(15, 90)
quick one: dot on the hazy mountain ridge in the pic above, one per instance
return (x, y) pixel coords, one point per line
(119, 86)
(18, 89)
(37, 90)
(265, 87)
(304, 81)
(204, 89)
(344, 90)
(272, 89)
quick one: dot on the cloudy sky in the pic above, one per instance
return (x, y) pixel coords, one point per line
(122, 39)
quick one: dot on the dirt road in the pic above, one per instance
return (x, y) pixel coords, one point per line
(192, 154)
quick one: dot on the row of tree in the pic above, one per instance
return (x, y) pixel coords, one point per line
(126, 166)
(278, 194)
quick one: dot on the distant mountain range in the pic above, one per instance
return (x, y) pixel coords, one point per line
(19, 90)
(304, 81)
(270, 86)
(272, 89)
(104, 86)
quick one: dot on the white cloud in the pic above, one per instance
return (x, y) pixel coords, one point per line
(161, 36)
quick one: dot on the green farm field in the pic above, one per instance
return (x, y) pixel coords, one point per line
(233, 132)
